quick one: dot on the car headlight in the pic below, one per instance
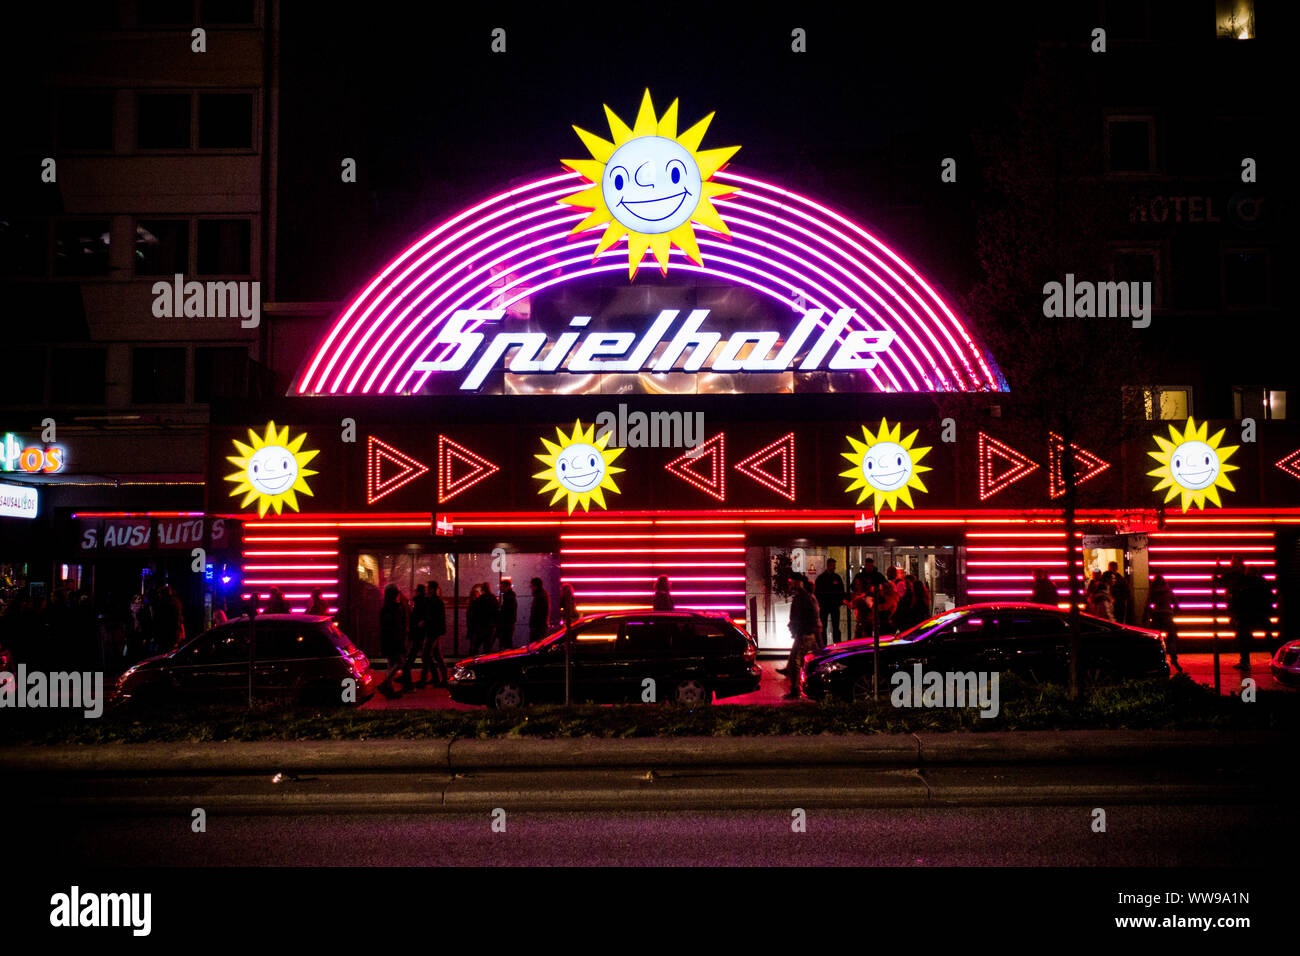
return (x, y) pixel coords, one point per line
(826, 668)
(463, 673)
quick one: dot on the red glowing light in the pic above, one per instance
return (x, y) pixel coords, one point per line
(1087, 465)
(990, 482)
(782, 483)
(712, 451)
(449, 485)
(1291, 464)
(378, 452)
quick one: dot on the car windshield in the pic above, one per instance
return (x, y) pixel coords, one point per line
(939, 620)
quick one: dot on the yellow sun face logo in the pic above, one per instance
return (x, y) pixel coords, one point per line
(885, 466)
(580, 466)
(271, 470)
(1193, 465)
(649, 184)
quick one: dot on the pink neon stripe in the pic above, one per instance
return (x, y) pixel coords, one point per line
(448, 267)
(989, 377)
(460, 250)
(344, 320)
(386, 327)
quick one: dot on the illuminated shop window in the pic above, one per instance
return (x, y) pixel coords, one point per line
(1234, 19)
(1256, 402)
(1158, 403)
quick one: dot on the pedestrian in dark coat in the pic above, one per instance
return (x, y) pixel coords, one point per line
(539, 615)
(393, 626)
(507, 615)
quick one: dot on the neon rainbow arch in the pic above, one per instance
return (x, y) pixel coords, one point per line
(518, 243)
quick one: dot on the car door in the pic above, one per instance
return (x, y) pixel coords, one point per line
(287, 656)
(215, 667)
(644, 652)
(966, 644)
(1033, 644)
(595, 667)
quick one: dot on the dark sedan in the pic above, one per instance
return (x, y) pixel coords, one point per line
(680, 656)
(1029, 640)
(300, 658)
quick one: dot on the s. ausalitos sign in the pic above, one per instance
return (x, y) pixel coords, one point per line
(817, 342)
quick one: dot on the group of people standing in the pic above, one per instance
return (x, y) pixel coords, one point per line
(1247, 594)
(877, 604)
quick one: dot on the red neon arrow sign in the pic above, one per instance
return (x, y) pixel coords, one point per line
(377, 485)
(1087, 465)
(990, 450)
(781, 482)
(449, 484)
(1291, 464)
(713, 455)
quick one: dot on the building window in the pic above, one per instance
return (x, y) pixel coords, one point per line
(224, 247)
(1234, 19)
(163, 120)
(229, 12)
(24, 245)
(24, 380)
(225, 120)
(77, 376)
(162, 247)
(81, 247)
(1139, 264)
(1158, 403)
(220, 373)
(1257, 402)
(85, 119)
(1131, 144)
(158, 376)
(1245, 277)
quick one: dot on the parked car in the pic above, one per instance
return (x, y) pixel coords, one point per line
(1029, 640)
(301, 658)
(1286, 664)
(691, 657)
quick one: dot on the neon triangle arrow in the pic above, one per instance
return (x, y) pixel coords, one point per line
(990, 452)
(1291, 464)
(713, 455)
(451, 484)
(377, 484)
(1087, 464)
(781, 481)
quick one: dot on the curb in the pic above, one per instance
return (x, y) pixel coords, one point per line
(452, 756)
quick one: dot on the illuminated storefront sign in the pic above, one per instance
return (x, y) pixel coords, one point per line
(18, 501)
(579, 467)
(885, 466)
(820, 280)
(17, 455)
(1193, 465)
(272, 470)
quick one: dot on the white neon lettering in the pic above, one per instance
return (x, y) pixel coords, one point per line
(601, 351)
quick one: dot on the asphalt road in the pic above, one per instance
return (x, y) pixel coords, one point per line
(1136, 835)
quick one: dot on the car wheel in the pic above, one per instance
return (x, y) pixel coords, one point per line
(863, 687)
(506, 695)
(693, 693)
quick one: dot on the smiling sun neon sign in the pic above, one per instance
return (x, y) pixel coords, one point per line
(649, 184)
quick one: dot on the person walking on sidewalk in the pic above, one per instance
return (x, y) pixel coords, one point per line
(1161, 604)
(829, 590)
(507, 615)
(393, 625)
(539, 615)
(434, 629)
(803, 632)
